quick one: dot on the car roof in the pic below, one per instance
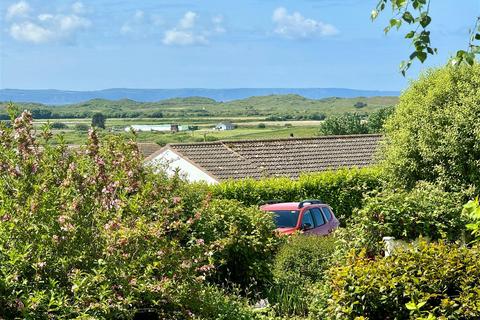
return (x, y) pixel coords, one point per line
(285, 206)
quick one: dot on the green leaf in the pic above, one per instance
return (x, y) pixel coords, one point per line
(411, 305)
(407, 17)
(410, 35)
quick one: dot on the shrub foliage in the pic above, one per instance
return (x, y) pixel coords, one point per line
(434, 133)
(95, 234)
(426, 211)
(430, 281)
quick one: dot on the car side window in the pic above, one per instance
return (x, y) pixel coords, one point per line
(327, 213)
(307, 220)
(319, 219)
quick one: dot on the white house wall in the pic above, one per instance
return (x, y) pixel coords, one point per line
(172, 162)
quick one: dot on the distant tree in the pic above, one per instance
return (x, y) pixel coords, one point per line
(377, 119)
(81, 127)
(261, 126)
(156, 114)
(98, 120)
(347, 123)
(360, 104)
(317, 116)
(41, 114)
(59, 125)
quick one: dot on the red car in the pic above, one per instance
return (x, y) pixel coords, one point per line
(308, 216)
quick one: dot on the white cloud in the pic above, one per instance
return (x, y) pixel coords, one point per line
(295, 26)
(187, 32)
(78, 8)
(30, 32)
(49, 27)
(19, 9)
(183, 38)
(188, 20)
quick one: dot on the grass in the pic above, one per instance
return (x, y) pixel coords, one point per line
(241, 133)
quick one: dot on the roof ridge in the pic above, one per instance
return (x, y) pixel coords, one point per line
(279, 139)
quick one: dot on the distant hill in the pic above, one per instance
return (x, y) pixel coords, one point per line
(60, 97)
(287, 107)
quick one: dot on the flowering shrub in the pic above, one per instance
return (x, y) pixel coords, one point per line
(92, 233)
(241, 242)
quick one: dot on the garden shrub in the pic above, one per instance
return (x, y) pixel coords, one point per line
(429, 281)
(92, 233)
(301, 261)
(426, 211)
(242, 241)
(305, 256)
(434, 132)
(342, 189)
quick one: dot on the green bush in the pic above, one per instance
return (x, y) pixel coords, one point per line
(93, 233)
(59, 125)
(301, 261)
(343, 189)
(242, 241)
(434, 133)
(305, 256)
(426, 211)
(345, 124)
(430, 281)
(82, 127)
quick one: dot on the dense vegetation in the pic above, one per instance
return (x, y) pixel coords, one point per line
(94, 234)
(435, 133)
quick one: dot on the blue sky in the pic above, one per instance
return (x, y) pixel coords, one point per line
(98, 44)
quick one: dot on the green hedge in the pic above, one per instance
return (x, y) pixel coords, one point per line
(426, 211)
(429, 281)
(342, 189)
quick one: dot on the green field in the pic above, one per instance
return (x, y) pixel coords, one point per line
(161, 138)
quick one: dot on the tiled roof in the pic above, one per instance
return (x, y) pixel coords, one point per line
(148, 148)
(280, 157)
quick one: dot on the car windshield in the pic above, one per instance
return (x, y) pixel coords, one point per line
(286, 218)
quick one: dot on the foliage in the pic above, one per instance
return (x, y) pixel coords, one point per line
(429, 281)
(434, 133)
(348, 123)
(342, 189)
(242, 243)
(95, 234)
(305, 256)
(261, 125)
(377, 119)
(59, 125)
(301, 261)
(98, 120)
(472, 211)
(426, 211)
(417, 14)
(81, 127)
(360, 104)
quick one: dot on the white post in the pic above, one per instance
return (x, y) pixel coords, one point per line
(389, 245)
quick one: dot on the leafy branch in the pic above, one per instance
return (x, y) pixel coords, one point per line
(416, 13)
